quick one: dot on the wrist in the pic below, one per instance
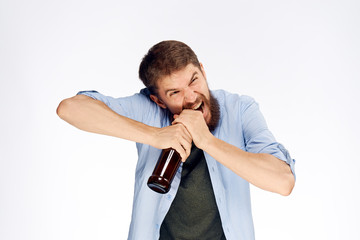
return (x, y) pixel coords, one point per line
(207, 141)
(150, 135)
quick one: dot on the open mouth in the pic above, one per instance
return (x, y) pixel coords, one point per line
(199, 107)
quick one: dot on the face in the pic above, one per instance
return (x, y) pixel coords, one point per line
(187, 89)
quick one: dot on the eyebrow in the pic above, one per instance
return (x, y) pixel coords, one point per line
(174, 89)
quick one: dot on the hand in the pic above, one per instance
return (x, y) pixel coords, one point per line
(195, 124)
(175, 136)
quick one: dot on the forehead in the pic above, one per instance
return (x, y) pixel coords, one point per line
(178, 78)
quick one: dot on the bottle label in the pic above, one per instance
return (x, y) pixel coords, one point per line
(171, 153)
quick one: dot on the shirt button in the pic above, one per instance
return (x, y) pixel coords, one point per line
(213, 169)
(157, 226)
(169, 197)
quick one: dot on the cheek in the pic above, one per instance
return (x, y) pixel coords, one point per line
(205, 92)
(203, 89)
(175, 107)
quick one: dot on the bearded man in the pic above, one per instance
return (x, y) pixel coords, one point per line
(222, 139)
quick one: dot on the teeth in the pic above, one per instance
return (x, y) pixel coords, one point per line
(197, 106)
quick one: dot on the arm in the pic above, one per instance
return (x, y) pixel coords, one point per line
(260, 169)
(95, 116)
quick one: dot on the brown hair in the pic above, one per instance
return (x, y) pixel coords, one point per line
(163, 59)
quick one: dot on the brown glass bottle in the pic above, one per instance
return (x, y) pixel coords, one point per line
(164, 171)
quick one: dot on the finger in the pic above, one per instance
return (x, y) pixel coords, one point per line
(176, 120)
(184, 132)
(184, 120)
(179, 148)
(187, 136)
(186, 146)
(188, 151)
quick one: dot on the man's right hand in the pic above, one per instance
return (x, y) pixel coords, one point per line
(176, 137)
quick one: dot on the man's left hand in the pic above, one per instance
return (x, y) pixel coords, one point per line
(195, 124)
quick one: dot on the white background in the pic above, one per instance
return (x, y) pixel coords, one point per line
(299, 59)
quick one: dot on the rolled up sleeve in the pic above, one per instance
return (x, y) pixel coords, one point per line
(257, 136)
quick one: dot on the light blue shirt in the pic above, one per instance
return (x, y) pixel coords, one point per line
(241, 124)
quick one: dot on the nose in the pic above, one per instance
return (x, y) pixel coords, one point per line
(190, 95)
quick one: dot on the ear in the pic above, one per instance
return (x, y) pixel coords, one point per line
(158, 101)
(202, 70)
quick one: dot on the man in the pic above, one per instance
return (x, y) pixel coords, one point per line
(222, 138)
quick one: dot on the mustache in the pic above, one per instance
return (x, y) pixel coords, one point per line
(198, 100)
(191, 105)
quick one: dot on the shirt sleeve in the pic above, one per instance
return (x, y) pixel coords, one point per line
(257, 136)
(138, 106)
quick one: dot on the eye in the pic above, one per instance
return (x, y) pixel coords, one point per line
(193, 80)
(173, 93)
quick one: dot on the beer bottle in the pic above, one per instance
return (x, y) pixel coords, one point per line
(164, 171)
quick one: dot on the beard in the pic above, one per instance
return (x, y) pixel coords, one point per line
(215, 112)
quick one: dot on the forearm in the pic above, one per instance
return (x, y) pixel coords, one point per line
(262, 170)
(94, 116)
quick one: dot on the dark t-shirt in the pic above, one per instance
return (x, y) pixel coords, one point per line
(193, 213)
